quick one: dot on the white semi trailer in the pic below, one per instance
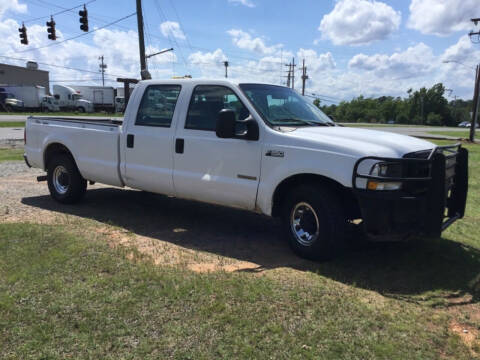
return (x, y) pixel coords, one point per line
(102, 97)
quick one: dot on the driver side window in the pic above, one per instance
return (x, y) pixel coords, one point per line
(206, 103)
(158, 105)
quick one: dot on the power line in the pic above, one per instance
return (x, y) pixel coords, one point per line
(58, 13)
(76, 37)
(59, 66)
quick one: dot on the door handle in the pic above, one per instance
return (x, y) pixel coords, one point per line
(130, 140)
(179, 146)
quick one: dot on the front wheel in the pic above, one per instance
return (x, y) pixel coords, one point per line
(81, 109)
(65, 183)
(314, 222)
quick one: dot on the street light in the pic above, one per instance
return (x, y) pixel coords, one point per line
(458, 62)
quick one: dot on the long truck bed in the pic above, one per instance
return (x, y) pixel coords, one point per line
(94, 143)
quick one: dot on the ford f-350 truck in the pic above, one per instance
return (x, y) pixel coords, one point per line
(262, 148)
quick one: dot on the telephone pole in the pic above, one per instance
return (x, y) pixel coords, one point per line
(293, 73)
(102, 69)
(475, 104)
(476, 94)
(141, 43)
(289, 73)
(304, 77)
(225, 63)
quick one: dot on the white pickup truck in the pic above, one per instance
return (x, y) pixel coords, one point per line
(262, 148)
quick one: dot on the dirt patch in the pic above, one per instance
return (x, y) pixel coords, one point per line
(468, 334)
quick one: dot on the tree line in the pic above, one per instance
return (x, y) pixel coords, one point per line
(421, 107)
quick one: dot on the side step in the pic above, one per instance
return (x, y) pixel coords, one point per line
(42, 178)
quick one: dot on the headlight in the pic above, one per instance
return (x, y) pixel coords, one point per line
(385, 170)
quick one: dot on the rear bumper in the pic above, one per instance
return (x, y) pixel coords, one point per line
(426, 205)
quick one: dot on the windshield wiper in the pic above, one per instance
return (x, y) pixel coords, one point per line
(302, 122)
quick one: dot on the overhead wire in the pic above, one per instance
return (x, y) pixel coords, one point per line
(77, 36)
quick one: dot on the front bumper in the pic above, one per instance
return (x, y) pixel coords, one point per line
(426, 205)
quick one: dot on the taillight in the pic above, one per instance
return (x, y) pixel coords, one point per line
(25, 135)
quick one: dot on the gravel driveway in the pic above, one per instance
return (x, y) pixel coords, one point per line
(176, 232)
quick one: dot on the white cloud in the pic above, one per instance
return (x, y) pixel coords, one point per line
(316, 62)
(358, 22)
(11, 5)
(413, 62)
(441, 17)
(244, 40)
(246, 3)
(172, 28)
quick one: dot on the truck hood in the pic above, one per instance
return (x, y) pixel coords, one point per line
(359, 142)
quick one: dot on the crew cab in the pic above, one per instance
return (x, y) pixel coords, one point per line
(262, 148)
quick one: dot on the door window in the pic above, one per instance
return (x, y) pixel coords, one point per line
(206, 103)
(158, 105)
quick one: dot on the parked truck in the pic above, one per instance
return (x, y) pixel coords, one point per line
(102, 97)
(70, 99)
(262, 148)
(9, 103)
(34, 97)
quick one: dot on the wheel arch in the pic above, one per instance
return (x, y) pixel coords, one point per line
(53, 149)
(345, 194)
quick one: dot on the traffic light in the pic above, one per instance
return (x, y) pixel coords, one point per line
(83, 19)
(51, 29)
(23, 35)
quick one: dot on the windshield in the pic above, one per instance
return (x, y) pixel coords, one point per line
(282, 106)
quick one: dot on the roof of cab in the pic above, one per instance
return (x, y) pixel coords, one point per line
(220, 81)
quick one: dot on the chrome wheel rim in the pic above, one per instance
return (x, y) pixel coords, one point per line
(61, 179)
(304, 224)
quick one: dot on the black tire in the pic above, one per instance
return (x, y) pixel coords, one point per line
(70, 180)
(81, 109)
(317, 207)
(8, 108)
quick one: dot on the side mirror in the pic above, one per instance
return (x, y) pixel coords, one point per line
(226, 124)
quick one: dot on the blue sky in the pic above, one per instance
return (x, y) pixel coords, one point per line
(351, 47)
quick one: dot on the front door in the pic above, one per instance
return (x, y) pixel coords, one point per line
(210, 169)
(149, 142)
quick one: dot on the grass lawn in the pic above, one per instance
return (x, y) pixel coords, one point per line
(12, 124)
(465, 134)
(11, 154)
(64, 293)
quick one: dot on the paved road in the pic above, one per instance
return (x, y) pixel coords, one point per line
(24, 117)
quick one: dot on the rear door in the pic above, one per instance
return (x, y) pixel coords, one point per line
(210, 169)
(150, 139)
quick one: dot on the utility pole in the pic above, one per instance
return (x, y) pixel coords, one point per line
(289, 74)
(141, 43)
(477, 86)
(102, 69)
(475, 104)
(225, 63)
(293, 73)
(304, 77)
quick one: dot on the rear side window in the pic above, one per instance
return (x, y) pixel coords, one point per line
(158, 105)
(206, 103)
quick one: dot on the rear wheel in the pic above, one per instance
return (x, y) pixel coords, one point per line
(314, 222)
(65, 183)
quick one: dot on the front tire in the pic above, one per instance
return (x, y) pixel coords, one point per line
(65, 183)
(81, 109)
(314, 222)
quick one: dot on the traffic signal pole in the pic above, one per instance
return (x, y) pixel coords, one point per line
(141, 43)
